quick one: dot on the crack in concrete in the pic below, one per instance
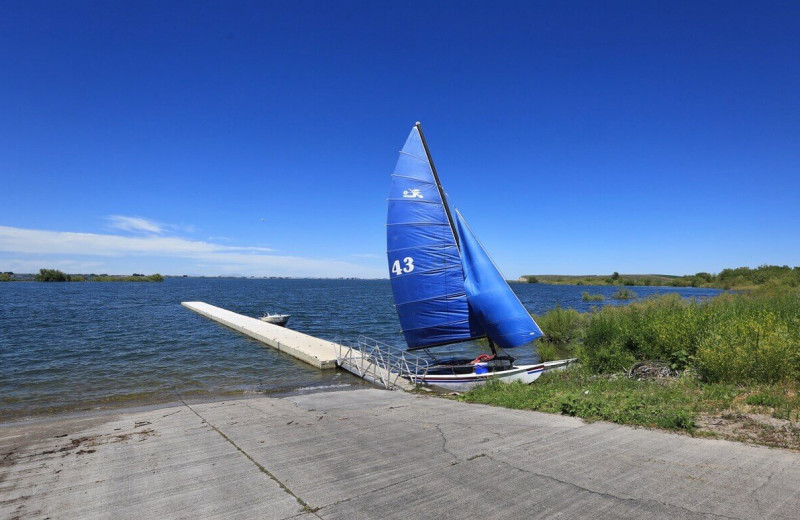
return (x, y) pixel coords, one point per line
(763, 484)
(609, 495)
(444, 443)
(306, 507)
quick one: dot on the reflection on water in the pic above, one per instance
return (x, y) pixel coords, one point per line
(77, 346)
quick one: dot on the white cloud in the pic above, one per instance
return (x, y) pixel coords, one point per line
(134, 224)
(34, 241)
(33, 247)
(364, 255)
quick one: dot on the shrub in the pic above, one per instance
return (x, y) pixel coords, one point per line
(585, 296)
(51, 275)
(546, 351)
(734, 338)
(756, 348)
(624, 294)
(561, 325)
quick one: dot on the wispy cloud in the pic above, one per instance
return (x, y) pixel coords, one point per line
(195, 256)
(134, 224)
(364, 255)
(35, 241)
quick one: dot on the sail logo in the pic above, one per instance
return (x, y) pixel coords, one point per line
(413, 193)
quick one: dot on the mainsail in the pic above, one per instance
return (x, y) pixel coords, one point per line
(446, 288)
(424, 261)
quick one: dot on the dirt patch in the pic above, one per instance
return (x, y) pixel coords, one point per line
(87, 444)
(751, 428)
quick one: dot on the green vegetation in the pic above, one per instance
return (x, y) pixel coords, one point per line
(758, 413)
(54, 275)
(135, 278)
(51, 275)
(585, 296)
(740, 277)
(561, 326)
(5, 277)
(624, 294)
(727, 366)
(734, 338)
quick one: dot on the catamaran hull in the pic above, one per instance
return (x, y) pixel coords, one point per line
(465, 382)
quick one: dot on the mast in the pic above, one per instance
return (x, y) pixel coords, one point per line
(438, 184)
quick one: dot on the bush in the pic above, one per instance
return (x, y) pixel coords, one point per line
(585, 296)
(561, 325)
(51, 275)
(732, 338)
(546, 351)
(624, 294)
(755, 348)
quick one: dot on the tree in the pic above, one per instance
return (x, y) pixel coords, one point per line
(51, 275)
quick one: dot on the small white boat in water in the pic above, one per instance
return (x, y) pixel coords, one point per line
(276, 319)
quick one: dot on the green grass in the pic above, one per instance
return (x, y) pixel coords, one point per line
(672, 404)
(734, 338)
(739, 355)
(579, 393)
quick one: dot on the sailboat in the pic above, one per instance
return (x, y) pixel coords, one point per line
(446, 288)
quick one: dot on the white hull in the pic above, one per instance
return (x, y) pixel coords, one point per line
(465, 382)
(276, 319)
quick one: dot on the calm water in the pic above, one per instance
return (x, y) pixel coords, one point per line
(82, 346)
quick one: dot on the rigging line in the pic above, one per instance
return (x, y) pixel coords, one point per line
(412, 178)
(418, 224)
(438, 183)
(412, 201)
(445, 343)
(434, 248)
(444, 298)
(412, 155)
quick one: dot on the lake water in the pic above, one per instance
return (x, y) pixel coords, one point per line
(84, 346)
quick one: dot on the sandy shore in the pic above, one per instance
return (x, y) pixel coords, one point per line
(372, 453)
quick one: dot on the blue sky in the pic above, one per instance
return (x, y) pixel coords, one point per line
(575, 137)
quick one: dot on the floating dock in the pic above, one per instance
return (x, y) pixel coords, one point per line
(314, 351)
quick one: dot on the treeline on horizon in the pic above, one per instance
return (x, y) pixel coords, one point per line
(54, 275)
(740, 277)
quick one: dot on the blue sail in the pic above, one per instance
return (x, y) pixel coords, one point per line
(425, 266)
(491, 300)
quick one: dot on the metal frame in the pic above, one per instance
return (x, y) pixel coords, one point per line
(379, 363)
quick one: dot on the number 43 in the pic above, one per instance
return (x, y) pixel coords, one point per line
(409, 266)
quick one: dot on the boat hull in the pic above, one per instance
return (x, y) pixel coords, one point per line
(465, 382)
(276, 319)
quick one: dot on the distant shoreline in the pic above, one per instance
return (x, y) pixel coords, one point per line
(736, 278)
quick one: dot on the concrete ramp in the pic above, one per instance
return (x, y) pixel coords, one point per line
(314, 351)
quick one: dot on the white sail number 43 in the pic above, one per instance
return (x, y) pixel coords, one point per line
(407, 268)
